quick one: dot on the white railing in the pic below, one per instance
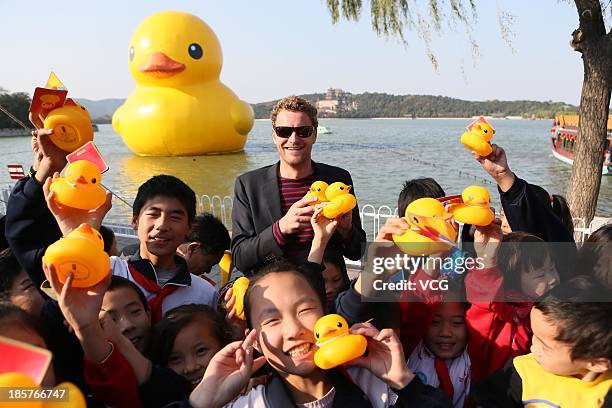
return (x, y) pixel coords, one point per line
(372, 217)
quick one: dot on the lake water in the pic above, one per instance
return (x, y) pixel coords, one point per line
(380, 154)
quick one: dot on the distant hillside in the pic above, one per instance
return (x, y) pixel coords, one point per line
(103, 108)
(381, 105)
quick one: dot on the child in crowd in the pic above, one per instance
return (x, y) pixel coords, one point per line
(595, 256)
(282, 304)
(529, 208)
(110, 242)
(571, 360)
(17, 287)
(111, 321)
(335, 277)
(186, 339)
(501, 293)
(163, 210)
(442, 358)
(205, 246)
(16, 324)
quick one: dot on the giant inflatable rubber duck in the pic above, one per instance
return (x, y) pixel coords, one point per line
(430, 228)
(180, 107)
(81, 253)
(336, 345)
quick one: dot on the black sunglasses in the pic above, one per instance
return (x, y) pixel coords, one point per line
(287, 131)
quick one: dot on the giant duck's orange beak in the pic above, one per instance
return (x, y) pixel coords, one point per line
(161, 66)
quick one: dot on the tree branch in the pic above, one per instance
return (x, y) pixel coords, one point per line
(591, 19)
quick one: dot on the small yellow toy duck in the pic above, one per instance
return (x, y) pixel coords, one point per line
(478, 136)
(239, 288)
(340, 200)
(180, 107)
(430, 228)
(82, 253)
(80, 187)
(336, 345)
(71, 126)
(475, 208)
(317, 189)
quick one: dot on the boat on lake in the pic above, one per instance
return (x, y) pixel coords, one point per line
(564, 134)
(322, 130)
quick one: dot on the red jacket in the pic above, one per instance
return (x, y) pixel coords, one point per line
(113, 381)
(498, 324)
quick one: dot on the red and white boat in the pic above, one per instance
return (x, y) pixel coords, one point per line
(565, 130)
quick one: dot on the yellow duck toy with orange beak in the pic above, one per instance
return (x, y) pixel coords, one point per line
(80, 187)
(317, 189)
(336, 345)
(73, 397)
(340, 200)
(180, 107)
(81, 253)
(430, 230)
(478, 138)
(475, 208)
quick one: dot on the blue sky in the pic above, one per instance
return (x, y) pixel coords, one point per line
(275, 48)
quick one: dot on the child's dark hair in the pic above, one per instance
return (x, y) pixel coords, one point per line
(165, 331)
(581, 310)
(210, 232)
(521, 252)
(108, 236)
(11, 315)
(595, 256)
(331, 256)
(415, 189)
(314, 280)
(9, 269)
(118, 282)
(165, 186)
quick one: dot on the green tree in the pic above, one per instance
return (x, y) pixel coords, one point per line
(590, 39)
(18, 104)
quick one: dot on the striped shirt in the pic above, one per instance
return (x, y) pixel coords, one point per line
(291, 190)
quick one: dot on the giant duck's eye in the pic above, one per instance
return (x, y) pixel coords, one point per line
(132, 53)
(195, 51)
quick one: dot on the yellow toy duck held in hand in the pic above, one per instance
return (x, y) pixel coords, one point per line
(317, 189)
(71, 126)
(340, 200)
(81, 253)
(180, 107)
(430, 230)
(475, 208)
(239, 289)
(336, 345)
(478, 136)
(80, 187)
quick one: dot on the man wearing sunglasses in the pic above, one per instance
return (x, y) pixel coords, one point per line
(270, 216)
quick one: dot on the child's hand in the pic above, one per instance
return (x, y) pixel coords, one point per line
(496, 164)
(48, 158)
(69, 219)
(486, 242)
(345, 225)
(228, 373)
(323, 228)
(393, 226)
(80, 306)
(385, 356)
